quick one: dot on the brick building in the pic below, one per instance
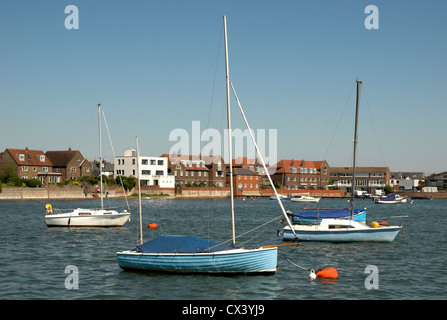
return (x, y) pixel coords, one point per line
(30, 164)
(69, 163)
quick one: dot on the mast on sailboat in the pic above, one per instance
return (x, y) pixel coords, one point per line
(139, 191)
(229, 130)
(251, 135)
(357, 103)
(100, 156)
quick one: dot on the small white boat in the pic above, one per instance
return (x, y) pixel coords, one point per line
(342, 230)
(305, 199)
(87, 217)
(392, 199)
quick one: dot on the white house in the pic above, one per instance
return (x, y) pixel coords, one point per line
(154, 170)
(406, 180)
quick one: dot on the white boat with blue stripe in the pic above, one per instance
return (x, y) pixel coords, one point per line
(339, 229)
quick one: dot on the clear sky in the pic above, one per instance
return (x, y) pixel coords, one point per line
(156, 66)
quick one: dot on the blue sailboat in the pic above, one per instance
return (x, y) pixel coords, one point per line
(190, 254)
(334, 229)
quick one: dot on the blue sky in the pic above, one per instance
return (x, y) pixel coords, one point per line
(159, 65)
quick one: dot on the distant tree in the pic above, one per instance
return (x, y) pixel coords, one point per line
(388, 189)
(128, 182)
(7, 173)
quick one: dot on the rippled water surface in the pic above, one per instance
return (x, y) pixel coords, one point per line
(34, 257)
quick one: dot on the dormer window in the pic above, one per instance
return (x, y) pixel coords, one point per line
(21, 157)
(42, 158)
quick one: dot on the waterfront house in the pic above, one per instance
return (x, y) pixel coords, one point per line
(153, 170)
(406, 180)
(301, 174)
(369, 179)
(69, 163)
(107, 169)
(246, 182)
(438, 181)
(197, 170)
(30, 164)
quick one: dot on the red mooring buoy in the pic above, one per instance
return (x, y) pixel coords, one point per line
(152, 225)
(330, 273)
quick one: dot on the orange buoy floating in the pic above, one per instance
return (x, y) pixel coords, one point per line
(327, 273)
(152, 225)
(384, 223)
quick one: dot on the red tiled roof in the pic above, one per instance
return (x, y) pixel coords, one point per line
(31, 157)
(284, 166)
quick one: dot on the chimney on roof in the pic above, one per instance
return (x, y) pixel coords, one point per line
(302, 163)
(26, 148)
(69, 148)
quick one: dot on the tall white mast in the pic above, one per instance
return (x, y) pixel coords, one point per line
(100, 155)
(139, 191)
(229, 130)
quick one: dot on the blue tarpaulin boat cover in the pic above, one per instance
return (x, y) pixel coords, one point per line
(327, 214)
(181, 244)
(389, 198)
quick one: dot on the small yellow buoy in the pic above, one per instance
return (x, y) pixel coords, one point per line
(374, 224)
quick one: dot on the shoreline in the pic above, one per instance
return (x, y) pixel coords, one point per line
(76, 193)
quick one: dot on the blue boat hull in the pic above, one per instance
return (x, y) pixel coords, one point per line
(236, 261)
(367, 235)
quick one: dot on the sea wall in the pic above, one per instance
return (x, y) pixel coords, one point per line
(54, 192)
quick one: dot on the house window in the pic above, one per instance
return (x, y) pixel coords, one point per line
(159, 172)
(86, 170)
(73, 170)
(192, 173)
(146, 172)
(21, 157)
(133, 161)
(34, 169)
(153, 162)
(178, 167)
(204, 174)
(24, 168)
(144, 161)
(160, 162)
(42, 158)
(200, 174)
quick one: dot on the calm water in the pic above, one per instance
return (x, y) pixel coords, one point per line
(34, 257)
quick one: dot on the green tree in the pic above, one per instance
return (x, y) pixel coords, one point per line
(388, 189)
(7, 173)
(128, 182)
